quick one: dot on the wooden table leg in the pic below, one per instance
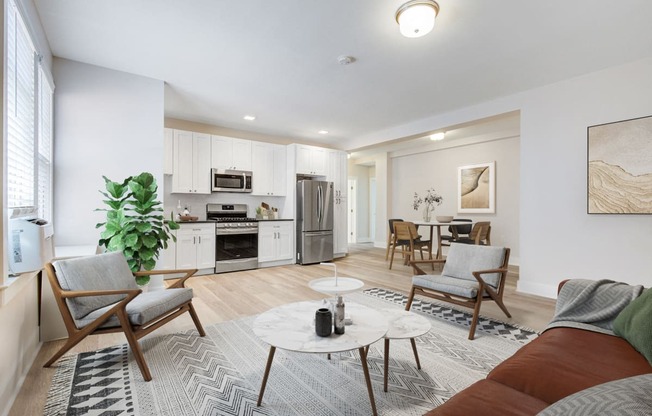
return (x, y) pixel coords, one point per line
(416, 355)
(386, 363)
(365, 369)
(439, 252)
(270, 358)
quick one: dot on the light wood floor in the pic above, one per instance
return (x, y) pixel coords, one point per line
(229, 296)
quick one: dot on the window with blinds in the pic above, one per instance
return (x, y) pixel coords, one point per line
(29, 121)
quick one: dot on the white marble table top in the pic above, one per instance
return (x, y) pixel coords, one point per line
(292, 327)
(405, 324)
(333, 286)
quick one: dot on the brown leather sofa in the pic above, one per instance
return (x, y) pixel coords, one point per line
(560, 362)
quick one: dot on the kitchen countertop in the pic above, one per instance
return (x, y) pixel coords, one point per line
(197, 222)
(275, 219)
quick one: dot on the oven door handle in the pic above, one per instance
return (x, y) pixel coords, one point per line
(236, 231)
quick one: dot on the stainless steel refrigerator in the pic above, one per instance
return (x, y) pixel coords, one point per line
(314, 221)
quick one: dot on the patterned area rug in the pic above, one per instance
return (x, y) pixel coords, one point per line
(221, 373)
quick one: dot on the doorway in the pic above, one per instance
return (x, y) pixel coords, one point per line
(351, 211)
(372, 209)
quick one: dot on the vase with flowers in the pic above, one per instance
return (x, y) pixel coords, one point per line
(429, 201)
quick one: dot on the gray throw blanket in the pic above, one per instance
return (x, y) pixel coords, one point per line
(592, 304)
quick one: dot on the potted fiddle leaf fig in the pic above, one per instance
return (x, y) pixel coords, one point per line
(134, 222)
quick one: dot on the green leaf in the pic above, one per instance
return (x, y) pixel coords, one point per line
(143, 227)
(142, 280)
(149, 264)
(149, 241)
(131, 240)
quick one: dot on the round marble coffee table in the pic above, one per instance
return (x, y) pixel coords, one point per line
(403, 325)
(291, 327)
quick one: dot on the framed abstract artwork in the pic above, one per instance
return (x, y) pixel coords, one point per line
(619, 172)
(476, 188)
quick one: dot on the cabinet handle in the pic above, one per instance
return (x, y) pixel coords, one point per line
(200, 239)
(193, 240)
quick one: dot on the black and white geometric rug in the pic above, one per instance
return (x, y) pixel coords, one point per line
(221, 373)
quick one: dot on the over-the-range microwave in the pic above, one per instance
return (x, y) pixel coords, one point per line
(230, 180)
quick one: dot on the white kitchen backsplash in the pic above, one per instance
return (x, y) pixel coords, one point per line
(197, 203)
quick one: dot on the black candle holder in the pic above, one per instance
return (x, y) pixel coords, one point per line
(323, 322)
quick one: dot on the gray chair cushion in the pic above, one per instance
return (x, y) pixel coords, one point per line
(464, 259)
(98, 272)
(143, 308)
(452, 285)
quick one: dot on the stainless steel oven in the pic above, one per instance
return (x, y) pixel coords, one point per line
(231, 180)
(236, 237)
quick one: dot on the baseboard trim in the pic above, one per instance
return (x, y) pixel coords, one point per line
(538, 289)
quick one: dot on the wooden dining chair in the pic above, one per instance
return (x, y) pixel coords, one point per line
(480, 234)
(457, 231)
(406, 235)
(390, 235)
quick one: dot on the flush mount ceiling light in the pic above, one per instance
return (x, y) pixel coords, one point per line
(438, 136)
(416, 18)
(323, 132)
(249, 118)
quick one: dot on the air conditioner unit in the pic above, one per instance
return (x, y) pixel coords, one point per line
(30, 244)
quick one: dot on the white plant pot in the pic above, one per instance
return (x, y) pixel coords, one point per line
(156, 282)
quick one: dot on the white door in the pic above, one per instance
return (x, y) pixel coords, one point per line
(372, 209)
(222, 152)
(183, 162)
(352, 212)
(266, 242)
(241, 154)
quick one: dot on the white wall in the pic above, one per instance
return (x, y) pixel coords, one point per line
(438, 169)
(106, 123)
(558, 238)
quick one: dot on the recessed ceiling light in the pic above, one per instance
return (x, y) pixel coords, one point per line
(249, 118)
(323, 132)
(438, 136)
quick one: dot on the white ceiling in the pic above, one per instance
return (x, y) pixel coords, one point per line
(277, 59)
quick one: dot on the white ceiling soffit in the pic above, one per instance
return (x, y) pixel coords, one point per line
(277, 60)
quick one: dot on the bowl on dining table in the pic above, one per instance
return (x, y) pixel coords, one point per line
(444, 218)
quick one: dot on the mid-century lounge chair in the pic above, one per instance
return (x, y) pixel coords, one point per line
(98, 294)
(471, 274)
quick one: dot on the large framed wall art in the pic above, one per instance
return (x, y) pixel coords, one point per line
(476, 188)
(620, 167)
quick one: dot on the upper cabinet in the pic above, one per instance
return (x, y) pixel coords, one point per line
(269, 169)
(191, 162)
(338, 172)
(230, 153)
(311, 160)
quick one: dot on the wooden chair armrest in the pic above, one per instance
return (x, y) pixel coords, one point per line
(418, 270)
(85, 293)
(480, 280)
(180, 283)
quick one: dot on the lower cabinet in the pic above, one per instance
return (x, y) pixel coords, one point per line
(195, 246)
(275, 242)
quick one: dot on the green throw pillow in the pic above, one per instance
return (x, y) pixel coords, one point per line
(634, 323)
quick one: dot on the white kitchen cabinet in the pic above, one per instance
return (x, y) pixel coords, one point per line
(269, 169)
(311, 160)
(230, 153)
(196, 246)
(338, 172)
(275, 242)
(340, 227)
(192, 163)
(168, 152)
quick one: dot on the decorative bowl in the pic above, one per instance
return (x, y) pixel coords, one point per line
(444, 218)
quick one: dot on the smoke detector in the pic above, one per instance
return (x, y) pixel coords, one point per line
(345, 60)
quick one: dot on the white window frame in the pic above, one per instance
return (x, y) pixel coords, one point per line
(43, 103)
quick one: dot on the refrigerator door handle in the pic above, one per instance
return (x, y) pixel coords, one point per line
(320, 204)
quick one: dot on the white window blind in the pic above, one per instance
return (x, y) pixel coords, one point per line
(20, 113)
(44, 165)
